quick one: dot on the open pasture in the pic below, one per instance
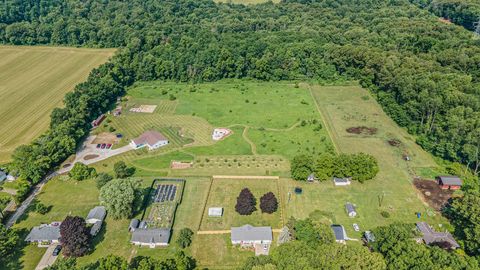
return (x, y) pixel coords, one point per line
(391, 190)
(33, 81)
(224, 192)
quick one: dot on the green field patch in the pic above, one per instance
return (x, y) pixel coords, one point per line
(224, 192)
(234, 144)
(162, 161)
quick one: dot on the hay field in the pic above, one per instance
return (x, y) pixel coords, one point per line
(33, 81)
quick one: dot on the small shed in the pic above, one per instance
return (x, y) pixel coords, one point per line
(215, 211)
(449, 182)
(350, 210)
(143, 225)
(133, 225)
(98, 213)
(342, 181)
(311, 178)
(339, 233)
(95, 229)
(369, 236)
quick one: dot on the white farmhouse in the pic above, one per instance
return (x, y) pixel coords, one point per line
(151, 139)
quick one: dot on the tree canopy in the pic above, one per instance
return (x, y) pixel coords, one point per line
(81, 171)
(74, 237)
(246, 202)
(119, 196)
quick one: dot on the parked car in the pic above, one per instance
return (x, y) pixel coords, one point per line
(56, 251)
(356, 227)
(98, 145)
(119, 135)
(109, 146)
(103, 146)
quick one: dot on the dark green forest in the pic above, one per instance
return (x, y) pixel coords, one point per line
(462, 12)
(425, 73)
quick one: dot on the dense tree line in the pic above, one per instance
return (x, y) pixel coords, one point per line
(424, 72)
(395, 242)
(463, 12)
(179, 261)
(360, 167)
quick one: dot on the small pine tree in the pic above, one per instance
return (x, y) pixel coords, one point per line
(245, 202)
(268, 203)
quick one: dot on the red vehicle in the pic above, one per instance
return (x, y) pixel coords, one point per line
(109, 146)
(103, 146)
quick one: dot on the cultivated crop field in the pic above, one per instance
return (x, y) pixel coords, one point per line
(33, 81)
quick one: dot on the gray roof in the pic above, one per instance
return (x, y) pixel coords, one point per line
(44, 232)
(430, 236)
(150, 137)
(96, 228)
(340, 180)
(250, 233)
(134, 223)
(450, 180)
(98, 213)
(350, 208)
(339, 232)
(2, 175)
(151, 236)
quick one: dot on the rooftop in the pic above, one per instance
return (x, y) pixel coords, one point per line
(430, 236)
(450, 180)
(215, 211)
(150, 137)
(350, 208)
(151, 236)
(44, 232)
(98, 213)
(341, 180)
(339, 232)
(250, 233)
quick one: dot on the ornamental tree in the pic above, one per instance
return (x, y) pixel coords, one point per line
(268, 203)
(74, 237)
(246, 202)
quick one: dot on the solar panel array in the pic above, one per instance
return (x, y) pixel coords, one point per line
(165, 193)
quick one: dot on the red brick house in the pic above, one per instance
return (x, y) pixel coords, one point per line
(449, 182)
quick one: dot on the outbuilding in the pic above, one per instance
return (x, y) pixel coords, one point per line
(340, 233)
(449, 182)
(311, 178)
(341, 181)
(215, 211)
(133, 225)
(351, 212)
(98, 121)
(95, 215)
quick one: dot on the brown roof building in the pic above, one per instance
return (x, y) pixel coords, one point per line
(429, 236)
(151, 139)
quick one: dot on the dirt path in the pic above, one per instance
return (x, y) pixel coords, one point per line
(325, 123)
(253, 147)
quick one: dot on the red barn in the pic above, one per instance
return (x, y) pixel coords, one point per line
(98, 121)
(449, 182)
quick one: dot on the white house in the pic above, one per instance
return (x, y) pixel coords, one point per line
(341, 181)
(215, 211)
(44, 234)
(151, 139)
(150, 237)
(249, 236)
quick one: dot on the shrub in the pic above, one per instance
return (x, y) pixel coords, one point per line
(102, 179)
(81, 172)
(41, 208)
(185, 237)
(385, 214)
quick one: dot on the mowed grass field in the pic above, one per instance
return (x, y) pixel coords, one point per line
(391, 190)
(33, 81)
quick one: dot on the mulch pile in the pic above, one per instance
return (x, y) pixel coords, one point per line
(394, 142)
(362, 130)
(432, 193)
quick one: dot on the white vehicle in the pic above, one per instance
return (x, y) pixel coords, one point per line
(356, 227)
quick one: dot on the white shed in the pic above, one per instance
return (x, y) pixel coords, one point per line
(215, 211)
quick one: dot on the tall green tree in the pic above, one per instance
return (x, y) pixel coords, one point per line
(119, 196)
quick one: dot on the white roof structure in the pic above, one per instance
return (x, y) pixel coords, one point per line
(249, 233)
(98, 213)
(215, 211)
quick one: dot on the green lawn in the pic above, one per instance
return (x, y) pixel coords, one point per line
(219, 198)
(351, 106)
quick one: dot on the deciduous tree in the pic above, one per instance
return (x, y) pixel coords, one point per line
(268, 203)
(119, 197)
(74, 236)
(246, 202)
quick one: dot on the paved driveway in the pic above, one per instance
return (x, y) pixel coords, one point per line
(47, 259)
